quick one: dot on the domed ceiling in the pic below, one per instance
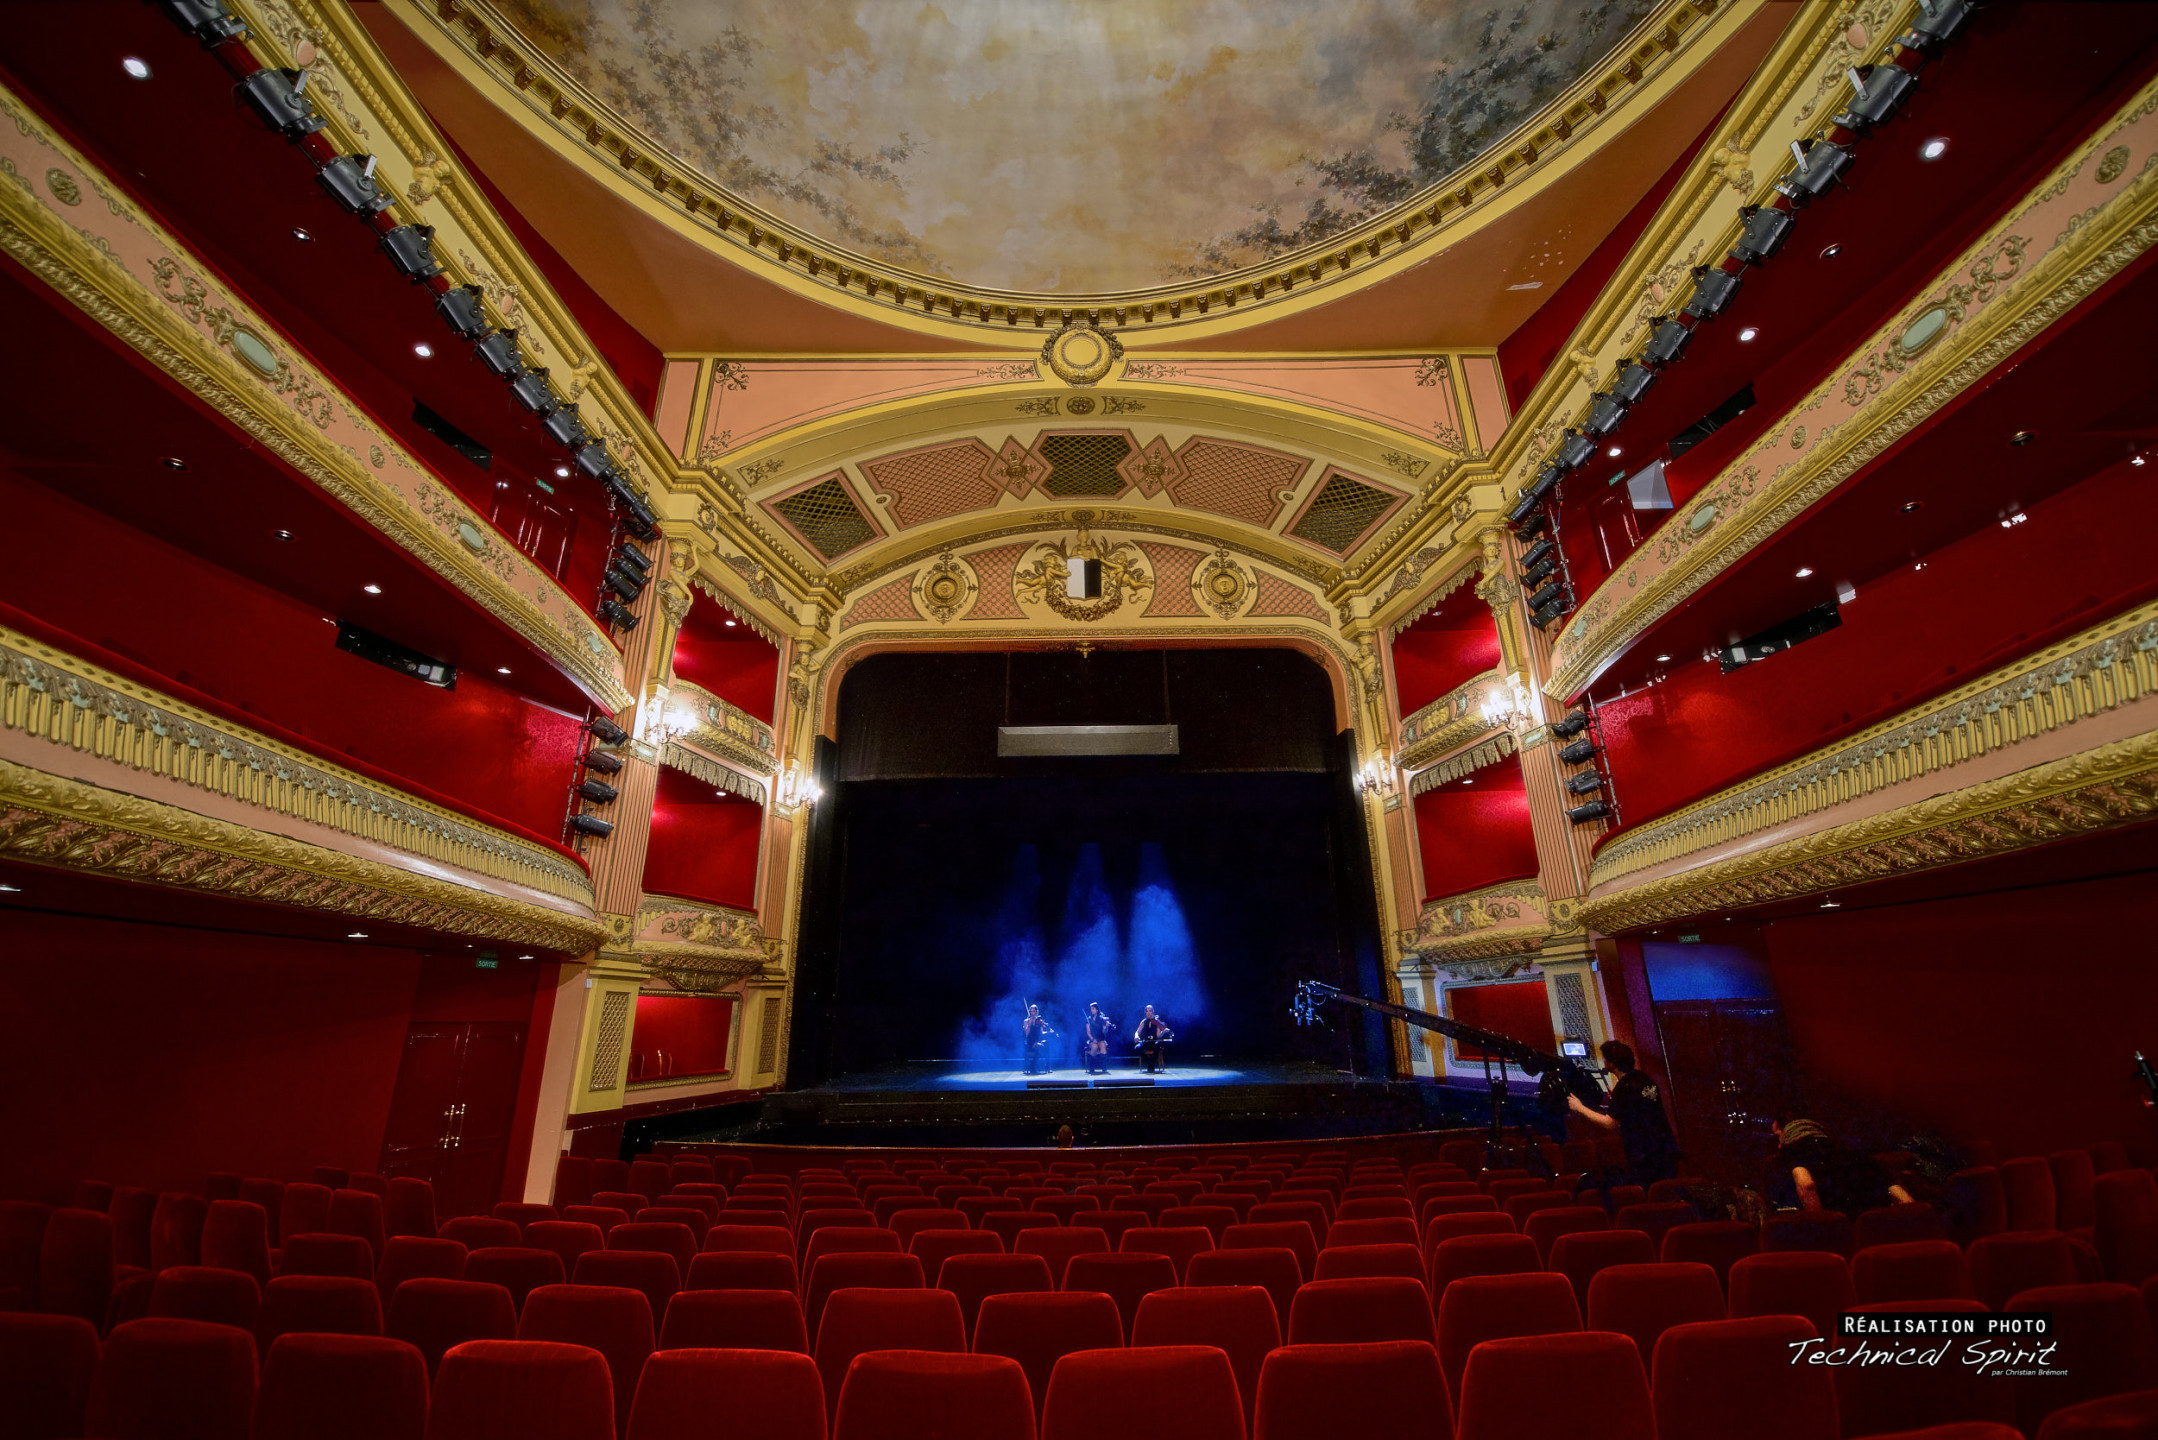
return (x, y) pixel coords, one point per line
(1075, 146)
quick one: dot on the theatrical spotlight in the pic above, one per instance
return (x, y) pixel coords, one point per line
(605, 730)
(1938, 22)
(1580, 752)
(279, 100)
(350, 181)
(594, 460)
(1667, 341)
(1820, 165)
(1544, 615)
(637, 517)
(590, 825)
(1574, 451)
(1713, 291)
(207, 20)
(535, 393)
(1539, 572)
(1532, 525)
(1588, 782)
(499, 353)
(599, 792)
(566, 427)
(1766, 228)
(636, 561)
(604, 761)
(461, 310)
(625, 582)
(1876, 93)
(1632, 383)
(1547, 595)
(1590, 813)
(1571, 726)
(1606, 414)
(616, 614)
(411, 249)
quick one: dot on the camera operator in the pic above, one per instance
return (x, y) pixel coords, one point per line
(1634, 1109)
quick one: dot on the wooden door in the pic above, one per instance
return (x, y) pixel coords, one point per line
(1730, 1076)
(451, 1113)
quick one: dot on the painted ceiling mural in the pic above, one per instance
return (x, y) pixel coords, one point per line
(1075, 146)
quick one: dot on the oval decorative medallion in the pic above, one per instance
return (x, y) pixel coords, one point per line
(63, 186)
(251, 348)
(1924, 330)
(1079, 354)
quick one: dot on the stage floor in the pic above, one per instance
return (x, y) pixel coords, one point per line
(965, 1075)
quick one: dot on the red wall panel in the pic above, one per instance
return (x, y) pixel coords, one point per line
(1517, 1009)
(732, 661)
(1456, 640)
(681, 1035)
(1475, 834)
(704, 843)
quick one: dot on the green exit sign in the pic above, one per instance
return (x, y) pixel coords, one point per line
(1689, 939)
(487, 962)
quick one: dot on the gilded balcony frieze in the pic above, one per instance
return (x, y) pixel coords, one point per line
(1465, 934)
(1447, 723)
(700, 947)
(722, 728)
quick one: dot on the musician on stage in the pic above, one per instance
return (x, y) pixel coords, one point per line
(1035, 1032)
(1099, 1028)
(1153, 1033)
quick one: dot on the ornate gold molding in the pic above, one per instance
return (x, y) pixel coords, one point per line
(1466, 762)
(52, 820)
(471, 38)
(2100, 670)
(2102, 788)
(725, 729)
(699, 947)
(677, 756)
(1447, 723)
(1505, 922)
(71, 703)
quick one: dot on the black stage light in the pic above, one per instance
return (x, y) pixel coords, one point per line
(1877, 92)
(638, 517)
(1542, 617)
(350, 181)
(460, 308)
(565, 427)
(613, 612)
(603, 761)
(599, 792)
(499, 353)
(390, 655)
(628, 586)
(1588, 782)
(606, 731)
(1546, 595)
(1531, 525)
(1632, 383)
(1782, 636)
(1538, 573)
(590, 825)
(1571, 726)
(535, 393)
(634, 558)
(1667, 341)
(1574, 451)
(594, 460)
(1820, 166)
(1528, 507)
(279, 100)
(1580, 752)
(411, 249)
(1938, 22)
(1606, 414)
(1765, 231)
(1714, 288)
(1588, 814)
(1539, 552)
(207, 20)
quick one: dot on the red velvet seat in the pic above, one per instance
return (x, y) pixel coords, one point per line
(183, 1379)
(1812, 1284)
(811, 1221)
(572, 1181)
(1500, 1254)
(2073, 1182)
(1179, 1243)
(609, 1175)
(1125, 1278)
(689, 1216)
(907, 1224)
(303, 1209)
(1643, 1301)
(670, 1238)
(1397, 1230)
(200, 1292)
(1555, 1387)
(614, 1320)
(1478, 1308)
(330, 1304)
(1273, 1268)
(522, 1390)
(601, 1217)
(329, 1177)
(519, 1269)
(1545, 1226)
(132, 1211)
(1522, 1206)
(849, 1240)
(2003, 1266)
(409, 1207)
(1826, 1230)
(1214, 1219)
(1350, 1262)
(1185, 1191)
(1320, 1392)
(1735, 1377)
(325, 1254)
(236, 1236)
(646, 1271)
(176, 1230)
(743, 1270)
(1065, 1206)
(1582, 1253)
(1295, 1236)
(1238, 1319)
(1898, 1224)
(75, 1264)
(735, 1320)
(775, 1238)
(434, 1316)
(972, 1277)
(358, 1212)
(1007, 1224)
(1037, 1329)
(1359, 1311)
(649, 1178)
(1166, 1392)
(480, 1232)
(2106, 1347)
(2125, 1225)
(1464, 1204)
(523, 1213)
(1058, 1245)
(1976, 1204)
(46, 1365)
(370, 1182)
(1376, 1208)
(2027, 1186)
(1655, 1218)
(2133, 1416)
(1113, 1223)
(1277, 1210)
(1880, 1399)
(767, 1393)
(858, 1321)
(411, 1257)
(1917, 1270)
(934, 1247)
(929, 1395)
(567, 1239)
(1718, 1244)
(857, 1270)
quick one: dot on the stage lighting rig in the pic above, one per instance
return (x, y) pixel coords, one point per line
(1588, 782)
(1632, 383)
(599, 792)
(1574, 451)
(1714, 288)
(1581, 752)
(498, 351)
(635, 560)
(411, 249)
(1551, 592)
(1571, 726)
(279, 100)
(615, 613)
(606, 731)
(1877, 92)
(590, 825)
(1938, 22)
(625, 582)
(461, 309)
(1821, 164)
(566, 427)
(606, 762)
(535, 393)
(595, 461)
(1539, 572)
(1536, 554)
(350, 181)
(1531, 525)
(1606, 413)
(1590, 813)
(1542, 617)
(1668, 341)
(1765, 230)
(207, 20)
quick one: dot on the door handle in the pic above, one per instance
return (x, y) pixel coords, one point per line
(457, 1139)
(449, 1120)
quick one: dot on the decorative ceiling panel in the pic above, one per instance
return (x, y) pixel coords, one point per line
(1343, 511)
(934, 481)
(1242, 482)
(824, 516)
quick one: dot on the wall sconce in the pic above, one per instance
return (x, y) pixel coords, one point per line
(1375, 775)
(1506, 703)
(798, 789)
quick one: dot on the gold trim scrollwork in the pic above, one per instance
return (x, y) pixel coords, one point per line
(1510, 919)
(1047, 580)
(66, 824)
(1447, 723)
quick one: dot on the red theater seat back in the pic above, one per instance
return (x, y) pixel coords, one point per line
(341, 1387)
(929, 1395)
(1125, 1278)
(769, 1394)
(159, 1378)
(735, 1320)
(1167, 1392)
(1321, 1392)
(435, 1316)
(1038, 1329)
(1735, 1377)
(858, 1321)
(1556, 1387)
(520, 1390)
(1239, 1319)
(46, 1365)
(615, 1321)
(1478, 1308)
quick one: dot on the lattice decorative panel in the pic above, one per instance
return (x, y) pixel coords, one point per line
(826, 517)
(1153, 468)
(1173, 565)
(993, 568)
(935, 481)
(768, 1036)
(1343, 512)
(1278, 597)
(894, 601)
(1573, 1003)
(607, 1040)
(1242, 482)
(1084, 464)
(1016, 469)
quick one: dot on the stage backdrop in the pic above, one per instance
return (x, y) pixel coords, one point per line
(947, 887)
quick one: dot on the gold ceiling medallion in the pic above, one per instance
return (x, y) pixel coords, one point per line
(944, 588)
(1079, 354)
(1222, 585)
(1049, 580)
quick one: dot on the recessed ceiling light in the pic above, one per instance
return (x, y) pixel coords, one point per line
(172, 462)
(1660, 659)
(730, 624)
(561, 472)
(524, 957)
(2023, 437)
(357, 935)
(502, 669)
(136, 66)
(1831, 904)
(2135, 459)
(1831, 252)
(1804, 571)
(1912, 507)
(1527, 285)
(1613, 452)
(284, 534)
(2014, 520)
(302, 234)
(424, 350)
(372, 589)
(1933, 149)
(10, 889)
(1919, 566)
(1749, 333)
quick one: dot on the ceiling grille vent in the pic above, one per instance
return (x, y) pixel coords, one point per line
(1084, 464)
(1342, 511)
(826, 516)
